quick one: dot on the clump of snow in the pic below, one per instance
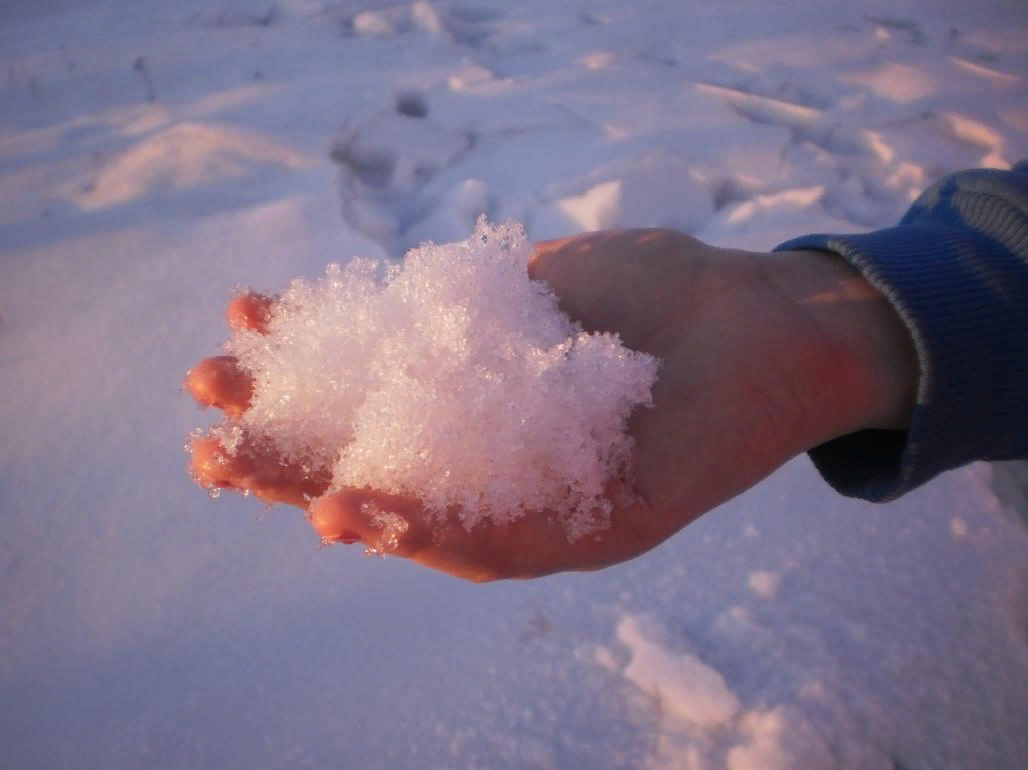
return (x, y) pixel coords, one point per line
(779, 739)
(454, 379)
(392, 527)
(653, 191)
(419, 16)
(688, 688)
(229, 435)
(706, 715)
(765, 583)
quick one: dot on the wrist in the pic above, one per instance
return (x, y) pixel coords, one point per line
(877, 375)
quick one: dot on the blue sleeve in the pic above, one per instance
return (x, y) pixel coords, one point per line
(956, 270)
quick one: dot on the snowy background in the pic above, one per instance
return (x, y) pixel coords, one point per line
(154, 155)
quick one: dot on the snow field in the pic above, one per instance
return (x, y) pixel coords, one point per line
(154, 155)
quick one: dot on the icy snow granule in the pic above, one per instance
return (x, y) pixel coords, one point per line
(453, 379)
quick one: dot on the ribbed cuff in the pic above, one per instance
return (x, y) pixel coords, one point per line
(964, 297)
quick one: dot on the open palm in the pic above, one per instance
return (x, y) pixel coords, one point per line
(762, 357)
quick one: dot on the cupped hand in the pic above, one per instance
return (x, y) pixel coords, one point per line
(763, 356)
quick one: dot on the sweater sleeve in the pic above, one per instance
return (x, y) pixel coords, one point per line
(956, 270)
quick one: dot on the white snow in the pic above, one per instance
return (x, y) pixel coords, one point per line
(764, 583)
(684, 686)
(183, 156)
(153, 156)
(452, 378)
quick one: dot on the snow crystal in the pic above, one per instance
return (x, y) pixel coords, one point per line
(229, 435)
(392, 525)
(452, 378)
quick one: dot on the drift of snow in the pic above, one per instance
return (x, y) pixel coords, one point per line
(454, 379)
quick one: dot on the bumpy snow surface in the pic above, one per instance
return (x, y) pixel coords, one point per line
(453, 378)
(155, 154)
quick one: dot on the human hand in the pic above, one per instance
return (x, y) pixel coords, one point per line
(763, 356)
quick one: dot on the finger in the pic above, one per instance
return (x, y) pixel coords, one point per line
(219, 382)
(545, 252)
(554, 244)
(363, 514)
(401, 526)
(250, 311)
(257, 469)
(534, 545)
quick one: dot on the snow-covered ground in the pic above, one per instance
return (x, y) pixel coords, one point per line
(153, 155)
